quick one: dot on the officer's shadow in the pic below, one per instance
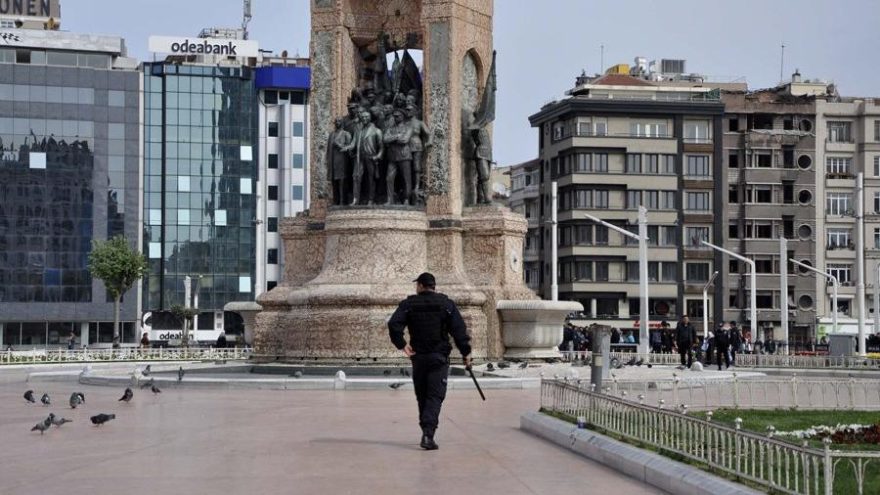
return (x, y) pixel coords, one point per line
(365, 441)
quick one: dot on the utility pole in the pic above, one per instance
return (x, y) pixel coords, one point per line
(781, 64)
(860, 259)
(643, 270)
(834, 286)
(783, 288)
(554, 244)
(753, 282)
(706, 305)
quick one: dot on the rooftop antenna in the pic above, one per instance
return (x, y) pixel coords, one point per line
(246, 18)
(781, 63)
(601, 59)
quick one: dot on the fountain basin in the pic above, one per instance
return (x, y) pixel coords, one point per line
(531, 329)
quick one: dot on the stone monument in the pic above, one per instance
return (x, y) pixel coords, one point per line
(353, 255)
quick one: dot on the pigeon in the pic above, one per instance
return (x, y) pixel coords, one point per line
(148, 383)
(146, 371)
(396, 385)
(297, 374)
(404, 372)
(631, 361)
(82, 397)
(29, 396)
(58, 421)
(45, 400)
(523, 365)
(650, 365)
(155, 389)
(387, 372)
(102, 418)
(41, 427)
(127, 395)
(180, 374)
(640, 362)
(490, 367)
(74, 400)
(503, 364)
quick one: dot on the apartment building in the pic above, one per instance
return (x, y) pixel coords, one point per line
(617, 142)
(847, 143)
(525, 199)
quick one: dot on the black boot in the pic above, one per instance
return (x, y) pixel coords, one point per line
(428, 442)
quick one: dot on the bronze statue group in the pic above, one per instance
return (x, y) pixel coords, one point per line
(376, 152)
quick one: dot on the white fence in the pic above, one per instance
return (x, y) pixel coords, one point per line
(755, 393)
(771, 463)
(745, 360)
(123, 354)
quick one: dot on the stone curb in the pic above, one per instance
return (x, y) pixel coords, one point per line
(648, 467)
(195, 381)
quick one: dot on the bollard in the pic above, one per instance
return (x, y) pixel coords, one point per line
(599, 370)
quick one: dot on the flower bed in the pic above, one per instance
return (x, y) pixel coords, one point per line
(840, 434)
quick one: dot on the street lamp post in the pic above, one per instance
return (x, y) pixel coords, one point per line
(753, 281)
(706, 305)
(554, 246)
(834, 286)
(783, 287)
(877, 300)
(642, 237)
(860, 258)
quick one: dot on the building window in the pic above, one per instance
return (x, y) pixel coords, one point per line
(220, 218)
(759, 230)
(244, 284)
(271, 97)
(876, 238)
(652, 200)
(697, 272)
(762, 194)
(297, 129)
(601, 271)
(297, 193)
(648, 129)
(583, 162)
(669, 164)
(877, 202)
(840, 132)
(273, 160)
(733, 230)
(601, 198)
(733, 160)
(696, 131)
(838, 203)
(633, 164)
(271, 284)
(246, 185)
(733, 194)
(698, 165)
(601, 162)
(843, 272)
(668, 198)
(272, 256)
(839, 238)
(246, 153)
(36, 159)
(273, 193)
(633, 199)
(273, 129)
(838, 166)
(695, 308)
(877, 166)
(182, 217)
(116, 98)
(764, 160)
(298, 160)
(272, 224)
(693, 236)
(652, 164)
(877, 130)
(698, 201)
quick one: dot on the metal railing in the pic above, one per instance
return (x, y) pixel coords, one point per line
(748, 360)
(37, 356)
(756, 393)
(771, 463)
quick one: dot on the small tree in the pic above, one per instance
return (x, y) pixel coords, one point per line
(119, 266)
(185, 315)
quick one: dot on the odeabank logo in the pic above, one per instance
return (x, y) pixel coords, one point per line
(204, 48)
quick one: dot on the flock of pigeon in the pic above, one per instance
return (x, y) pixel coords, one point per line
(79, 398)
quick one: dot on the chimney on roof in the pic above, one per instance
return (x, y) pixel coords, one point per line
(796, 77)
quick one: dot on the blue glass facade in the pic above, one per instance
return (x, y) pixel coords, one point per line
(200, 184)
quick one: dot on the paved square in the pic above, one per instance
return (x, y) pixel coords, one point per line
(256, 441)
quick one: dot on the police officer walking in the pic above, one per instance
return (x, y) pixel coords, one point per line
(431, 318)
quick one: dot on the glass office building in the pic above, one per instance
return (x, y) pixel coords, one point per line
(69, 174)
(200, 197)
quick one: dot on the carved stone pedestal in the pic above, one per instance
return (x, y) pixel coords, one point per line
(533, 329)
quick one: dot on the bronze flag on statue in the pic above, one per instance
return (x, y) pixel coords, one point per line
(485, 113)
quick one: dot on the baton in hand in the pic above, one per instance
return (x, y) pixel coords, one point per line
(474, 378)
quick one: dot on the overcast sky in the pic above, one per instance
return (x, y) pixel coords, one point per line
(543, 45)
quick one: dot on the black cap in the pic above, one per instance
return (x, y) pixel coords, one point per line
(426, 279)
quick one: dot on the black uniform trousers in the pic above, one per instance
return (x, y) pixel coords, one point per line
(687, 357)
(430, 372)
(722, 355)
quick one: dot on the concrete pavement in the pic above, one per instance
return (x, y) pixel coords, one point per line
(263, 441)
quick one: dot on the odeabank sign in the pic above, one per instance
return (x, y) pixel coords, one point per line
(203, 46)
